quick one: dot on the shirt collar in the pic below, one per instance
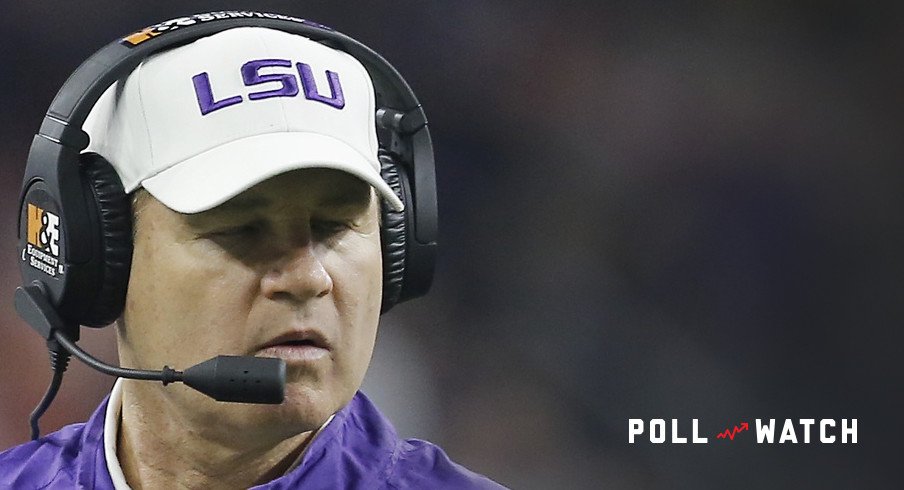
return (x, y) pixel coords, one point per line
(111, 431)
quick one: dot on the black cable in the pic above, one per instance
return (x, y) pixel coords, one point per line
(59, 361)
(61, 348)
(167, 375)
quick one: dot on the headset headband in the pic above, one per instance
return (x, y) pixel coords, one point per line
(85, 86)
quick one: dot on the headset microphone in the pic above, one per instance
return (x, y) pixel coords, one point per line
(242, 379)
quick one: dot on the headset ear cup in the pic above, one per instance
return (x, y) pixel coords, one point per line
(114, 217)
(393, 234)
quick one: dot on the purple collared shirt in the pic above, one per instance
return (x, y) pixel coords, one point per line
(358, 449)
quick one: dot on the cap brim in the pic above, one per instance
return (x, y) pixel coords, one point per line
(211, 178)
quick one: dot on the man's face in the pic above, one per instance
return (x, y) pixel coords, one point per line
(290, 268)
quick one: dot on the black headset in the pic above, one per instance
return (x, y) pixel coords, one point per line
(75, 236)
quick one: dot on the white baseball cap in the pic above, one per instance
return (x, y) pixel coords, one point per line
(198, 124)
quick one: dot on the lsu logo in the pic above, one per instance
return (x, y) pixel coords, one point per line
(289, 85)
(43, 230)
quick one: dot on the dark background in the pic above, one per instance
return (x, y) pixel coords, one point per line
(649, 209)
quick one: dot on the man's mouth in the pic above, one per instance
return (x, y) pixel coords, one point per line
(297, 346)
(300, 342)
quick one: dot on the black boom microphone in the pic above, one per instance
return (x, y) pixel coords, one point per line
(242, 379)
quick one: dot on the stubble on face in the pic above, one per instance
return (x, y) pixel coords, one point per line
(304, 253)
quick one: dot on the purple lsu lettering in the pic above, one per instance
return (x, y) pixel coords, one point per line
(288, 85)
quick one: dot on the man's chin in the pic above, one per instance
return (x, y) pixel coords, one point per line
(308, 408)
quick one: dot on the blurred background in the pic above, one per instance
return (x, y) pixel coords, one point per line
(649, 210)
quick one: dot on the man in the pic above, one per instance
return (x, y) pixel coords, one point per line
(256, 233)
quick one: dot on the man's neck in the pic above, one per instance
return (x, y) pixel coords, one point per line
(160, 449)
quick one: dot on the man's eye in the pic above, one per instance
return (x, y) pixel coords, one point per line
(327, 227)
(246, 230)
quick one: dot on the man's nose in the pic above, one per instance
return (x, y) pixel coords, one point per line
(298, 274)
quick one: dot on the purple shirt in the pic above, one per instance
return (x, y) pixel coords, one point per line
(358, 449)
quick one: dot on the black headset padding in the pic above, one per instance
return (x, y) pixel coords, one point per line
(114, 218)
(393, 234)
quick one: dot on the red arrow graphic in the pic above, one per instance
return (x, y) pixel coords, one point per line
(730, 433)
